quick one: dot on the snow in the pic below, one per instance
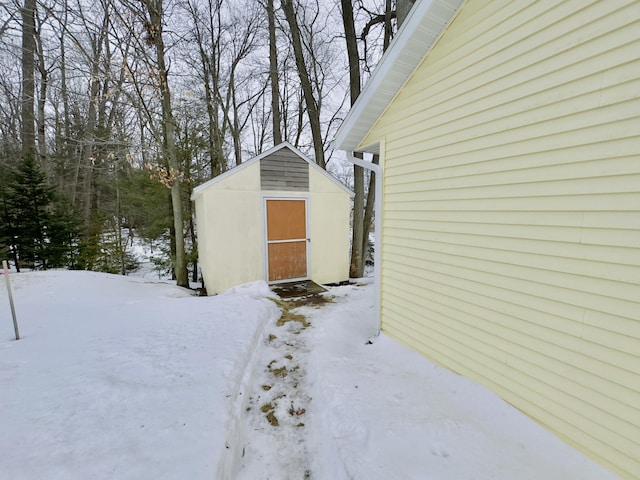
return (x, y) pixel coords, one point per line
(117, 377)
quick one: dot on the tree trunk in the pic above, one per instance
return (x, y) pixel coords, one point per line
(358, 240)
(194, 242)
(311, 103)
(402, 10)
(215, 158)
(215, 30)
(63, 83)
(42, 98)
(273, 75)
(155, 10)
(86, 162)
(356, 267)
(28, 81)
(215, 161)
(191, 229)
(235, 124)
(362, 220)
(352, 49)
(387, 25)
(369, 210)
(123, 267)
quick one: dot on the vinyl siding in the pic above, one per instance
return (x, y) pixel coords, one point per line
(284, 170)
(511, 213)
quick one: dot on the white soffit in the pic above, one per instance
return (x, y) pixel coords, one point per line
(417, 35)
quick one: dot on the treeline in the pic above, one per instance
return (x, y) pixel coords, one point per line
(40, 229)
(111, 111)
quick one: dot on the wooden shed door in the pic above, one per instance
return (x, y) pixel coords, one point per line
(286, 239)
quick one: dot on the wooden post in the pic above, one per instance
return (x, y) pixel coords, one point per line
(5, 268)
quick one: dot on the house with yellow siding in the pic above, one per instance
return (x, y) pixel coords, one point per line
(509, 143)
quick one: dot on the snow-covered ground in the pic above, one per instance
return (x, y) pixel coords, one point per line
(119, 378)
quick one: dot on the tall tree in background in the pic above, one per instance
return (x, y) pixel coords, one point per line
(207, 34)
(311, 103)
(356, 266)
(154, 37)
(240, 100)
(28, 135)
(226, 37)
(87, 93)
(362, 211)
(367, 220)
(273, 74)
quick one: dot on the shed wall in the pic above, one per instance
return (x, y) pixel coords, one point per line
(231, 235)
(230, 231)
(511, 226)
(329, 217)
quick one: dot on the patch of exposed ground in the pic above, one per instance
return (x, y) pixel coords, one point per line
(279, 403)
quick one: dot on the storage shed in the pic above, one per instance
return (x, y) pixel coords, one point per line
(278, 217)
(509, 141)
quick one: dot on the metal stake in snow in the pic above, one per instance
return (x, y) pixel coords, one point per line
(5, 272)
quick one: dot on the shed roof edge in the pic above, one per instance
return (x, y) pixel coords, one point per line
(200, 188)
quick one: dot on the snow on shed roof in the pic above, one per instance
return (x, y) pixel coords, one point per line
(417, 35)
(200, 188)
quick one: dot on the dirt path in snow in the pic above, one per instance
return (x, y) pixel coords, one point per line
(277, 400)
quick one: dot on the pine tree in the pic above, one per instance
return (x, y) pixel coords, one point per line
(7, 248)
(28, 204)
(63, 237)
(8, 153)
(44, 231)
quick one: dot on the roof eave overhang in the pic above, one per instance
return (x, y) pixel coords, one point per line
(418, 34)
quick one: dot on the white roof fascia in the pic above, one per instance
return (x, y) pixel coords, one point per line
(415, 38)
(200, 188)
(203, 186)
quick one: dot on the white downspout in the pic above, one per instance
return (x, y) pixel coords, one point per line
(377, 253)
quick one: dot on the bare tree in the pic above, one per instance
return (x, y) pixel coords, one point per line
(273, 74)
(226, 37)
(362, 211)
(154, 37)
(42, 93)
(105, 83)
(311, 103)
(240, 99)
(356, 268)
(207, 34)
(28, 135)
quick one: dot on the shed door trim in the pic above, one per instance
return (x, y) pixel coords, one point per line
(299, 241)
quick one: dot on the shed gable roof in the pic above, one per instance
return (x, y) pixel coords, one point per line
(426, 21)
(200, 188)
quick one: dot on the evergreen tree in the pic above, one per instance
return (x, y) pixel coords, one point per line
(7, 247)
(42, 227)
(145, 204)
(63, 237)
(8, 153)
(28, 209)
